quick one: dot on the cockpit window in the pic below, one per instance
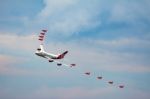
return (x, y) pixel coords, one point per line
(39, 49)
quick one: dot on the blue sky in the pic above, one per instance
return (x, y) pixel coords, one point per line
(110, 38)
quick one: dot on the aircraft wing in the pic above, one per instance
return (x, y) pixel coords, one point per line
(60, 63)
(64, 64)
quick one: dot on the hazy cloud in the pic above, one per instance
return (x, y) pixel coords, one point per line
(109, 59)
(22, 42)
(68, 16)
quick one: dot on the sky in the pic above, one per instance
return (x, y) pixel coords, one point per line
(109, 38)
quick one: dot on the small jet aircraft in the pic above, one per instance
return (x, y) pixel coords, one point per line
(110, 82)
(99, 77)
(87, 73)
(121, 86)
(51, 57)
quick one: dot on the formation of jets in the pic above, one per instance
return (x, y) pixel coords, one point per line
(56, 58)
(100, 78)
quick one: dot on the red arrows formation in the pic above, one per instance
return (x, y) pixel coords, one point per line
(41, 38)
(42, 34)
(100, 78)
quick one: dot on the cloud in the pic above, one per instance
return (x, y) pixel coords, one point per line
(101, 52)
(14, 70)
(130, 11)
(8, 65)
(67, 17)
(88, 93)
(136, 94)
(13, 66)
(51, 7)
(109, 55)
(13, 43)
(68, 93)
(78, 93)
(16, 42)
(5, 58)
(131, 42)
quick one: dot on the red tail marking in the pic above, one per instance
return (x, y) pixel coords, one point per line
(62, 55)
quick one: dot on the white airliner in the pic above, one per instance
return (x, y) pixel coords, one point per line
(51, 57)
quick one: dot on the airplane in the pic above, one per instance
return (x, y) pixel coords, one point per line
(87, 73)
(51, 57)
(110, 82)
(121, 86)
(99, 77)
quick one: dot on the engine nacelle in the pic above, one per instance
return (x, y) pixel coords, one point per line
(59, 64)
(38, 49)
(51, 60)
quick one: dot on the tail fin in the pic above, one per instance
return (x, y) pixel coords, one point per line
(62, 55)
(41, 49)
